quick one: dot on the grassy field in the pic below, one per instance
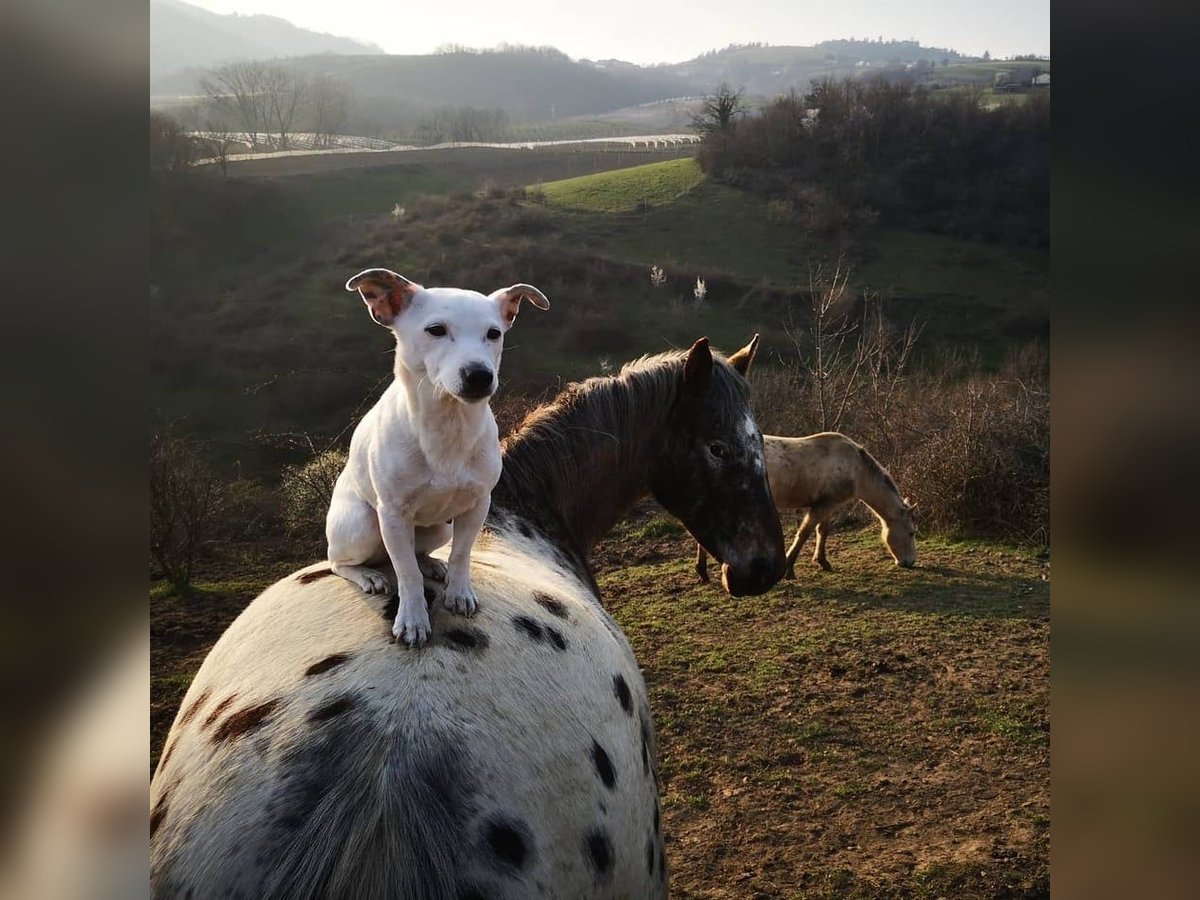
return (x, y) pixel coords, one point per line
(625, 190)
(870, 732)
(964, 291)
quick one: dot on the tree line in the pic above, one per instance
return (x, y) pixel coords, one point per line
(896, 153)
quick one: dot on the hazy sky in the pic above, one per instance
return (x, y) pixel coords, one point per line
(651, 31)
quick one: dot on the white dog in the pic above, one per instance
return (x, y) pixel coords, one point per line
(428, 453)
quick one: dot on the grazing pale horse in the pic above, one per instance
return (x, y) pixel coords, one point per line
(821, 473)
(512, 757)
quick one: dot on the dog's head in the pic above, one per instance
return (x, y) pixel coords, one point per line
(450, 336)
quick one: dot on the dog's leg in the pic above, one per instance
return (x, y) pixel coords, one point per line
(429, 538)
(412, 618)
(460, 595)
(352, 529)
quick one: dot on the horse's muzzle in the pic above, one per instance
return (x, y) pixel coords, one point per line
(758, 576)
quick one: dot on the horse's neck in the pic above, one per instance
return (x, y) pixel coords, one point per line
(576, 477)
(877, 491)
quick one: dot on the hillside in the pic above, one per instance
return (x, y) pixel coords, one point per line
(297, 238)
(529, 85)
(184, 36)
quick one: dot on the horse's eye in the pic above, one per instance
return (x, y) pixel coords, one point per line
(717, 449)
(438, 330)
(493, 334)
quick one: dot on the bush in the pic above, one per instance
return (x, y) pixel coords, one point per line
(186, 501)
(307, 490)
(971, 448)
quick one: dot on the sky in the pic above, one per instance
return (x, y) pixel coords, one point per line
(652, 31)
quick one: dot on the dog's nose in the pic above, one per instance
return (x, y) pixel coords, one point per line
(476, 382)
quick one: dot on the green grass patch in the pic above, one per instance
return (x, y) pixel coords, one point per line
(625, 190)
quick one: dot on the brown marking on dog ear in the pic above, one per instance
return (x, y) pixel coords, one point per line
(743, 358)
(386, 293)
(697, 368)
(510, 298)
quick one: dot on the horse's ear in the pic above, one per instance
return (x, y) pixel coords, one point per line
(743, 358)
(697, 368)
(386, 293)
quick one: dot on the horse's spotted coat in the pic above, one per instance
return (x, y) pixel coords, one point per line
(326, 728)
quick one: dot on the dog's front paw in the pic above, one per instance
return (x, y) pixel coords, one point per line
(412, 624)
(431, 568)
(461, 601)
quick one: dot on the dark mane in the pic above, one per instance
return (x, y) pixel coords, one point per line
(596, 439)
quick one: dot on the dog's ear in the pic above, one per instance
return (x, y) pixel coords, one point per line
(509, 300)
(386, 293)
(697, 368)
(743, 358)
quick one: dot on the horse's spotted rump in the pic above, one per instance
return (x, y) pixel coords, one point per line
(530, 627)
(645, 748)
(604, 766)
(159, 813)
(510, 842)
(465, 639)
(310, 577)
(525, 530)
(556, 637)
(334, 707)
(552, 605)
(621, 690)
(166, 755)
(329, 662)
(189, 713)
(212, 717)
(243, 721)
(598, 851)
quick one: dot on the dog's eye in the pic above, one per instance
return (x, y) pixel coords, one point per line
(717, 449)
(436, 330)
(493, 334)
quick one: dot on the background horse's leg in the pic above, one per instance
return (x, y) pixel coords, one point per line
(819, 553)
(802, 533)
(701, 564)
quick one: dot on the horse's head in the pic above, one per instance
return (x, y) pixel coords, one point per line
(711, 475)
(900, 535)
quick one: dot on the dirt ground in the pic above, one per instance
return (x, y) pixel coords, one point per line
(870, 732)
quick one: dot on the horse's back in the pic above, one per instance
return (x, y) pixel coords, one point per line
(511, 757)
(813, 470)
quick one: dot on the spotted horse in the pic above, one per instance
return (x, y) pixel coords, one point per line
(513, 757)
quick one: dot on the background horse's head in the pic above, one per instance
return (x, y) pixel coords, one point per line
(711, 475)
(900, 535)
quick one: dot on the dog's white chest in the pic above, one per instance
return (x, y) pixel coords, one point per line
(445, 496)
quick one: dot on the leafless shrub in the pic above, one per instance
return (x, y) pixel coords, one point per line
(186, 502)
(307, 489)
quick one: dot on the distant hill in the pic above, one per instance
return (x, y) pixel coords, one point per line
(530, 84)
(183, 36)
(766, 71)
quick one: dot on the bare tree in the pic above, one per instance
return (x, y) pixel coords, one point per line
(720, 111)
(286, 93)
(238, 92)
(853, 361)
(185, 502)
(329, 106)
